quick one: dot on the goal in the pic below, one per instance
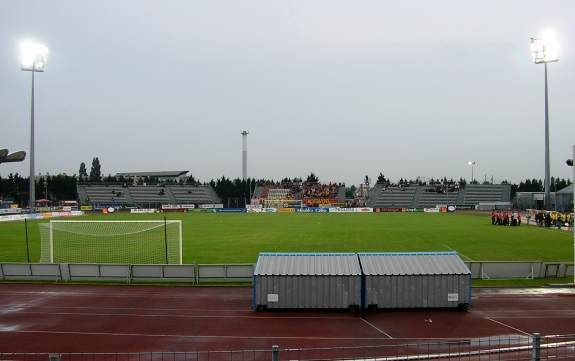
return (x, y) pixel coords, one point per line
(126, 242)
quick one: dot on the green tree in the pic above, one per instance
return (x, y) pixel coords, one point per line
(381, 179)
(82, 173)
(95, 171)
(312, 178)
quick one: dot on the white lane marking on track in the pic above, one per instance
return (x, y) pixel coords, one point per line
(183, 316)
(195, 336)
(508, 326)
(178, 309)
(375, 327)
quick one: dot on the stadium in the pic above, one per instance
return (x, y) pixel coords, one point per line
(168, 247)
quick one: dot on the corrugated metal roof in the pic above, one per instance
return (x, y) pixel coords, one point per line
(174, 173)
(412, 263)
(307, 264)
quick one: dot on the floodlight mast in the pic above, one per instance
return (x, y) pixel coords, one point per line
(544, 50)
(34, 58)
(472, 164)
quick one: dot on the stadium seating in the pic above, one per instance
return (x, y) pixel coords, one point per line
(113, 195)
(146, 196)
(431, 199)
(191, 194)
(395, 197)
(415, 196)
(280, 193)
(477, 193)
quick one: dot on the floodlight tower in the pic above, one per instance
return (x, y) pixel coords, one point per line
(34, 58)
(244, 154)
(545, 50)
(472, 164)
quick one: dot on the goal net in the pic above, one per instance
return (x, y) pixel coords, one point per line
(127, 242)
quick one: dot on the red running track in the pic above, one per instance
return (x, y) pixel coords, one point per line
(94, 318)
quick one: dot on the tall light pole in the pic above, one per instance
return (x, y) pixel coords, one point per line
(544, 50)
(471, 163)
(34, 58)
(244, 154)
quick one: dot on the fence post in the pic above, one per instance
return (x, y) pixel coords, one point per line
(54, 357)
(275, 353)
(536, 352)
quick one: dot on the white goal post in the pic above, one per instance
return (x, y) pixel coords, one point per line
(116, 242)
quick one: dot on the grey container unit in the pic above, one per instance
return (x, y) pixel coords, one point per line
(307, 280)
(415, 280)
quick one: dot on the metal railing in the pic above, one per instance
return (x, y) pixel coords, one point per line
(510, 347)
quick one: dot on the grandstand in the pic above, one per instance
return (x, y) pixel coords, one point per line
(311, 194)
(416, 196)
(119, 195)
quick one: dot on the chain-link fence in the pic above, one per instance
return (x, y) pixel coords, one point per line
(509, 347)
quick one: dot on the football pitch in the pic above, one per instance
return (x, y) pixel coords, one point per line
(238, 238)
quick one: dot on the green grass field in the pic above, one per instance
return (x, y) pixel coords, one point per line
(237, 238)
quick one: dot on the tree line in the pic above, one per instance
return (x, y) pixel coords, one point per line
(233, 192)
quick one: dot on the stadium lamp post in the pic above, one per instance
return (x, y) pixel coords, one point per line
(544, 50)
(471, 163)
(34, 57)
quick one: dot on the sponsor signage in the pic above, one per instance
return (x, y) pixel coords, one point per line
(86, 208)
(20, 217)
(12, 217)
(10, 210)
(431, 210)
(312, 210)
(388, 209)
(143, 210)
(286, 210)
(230, 210)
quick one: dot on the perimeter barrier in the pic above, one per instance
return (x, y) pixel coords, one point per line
(191, 273)
(510, 347)
(197, 273)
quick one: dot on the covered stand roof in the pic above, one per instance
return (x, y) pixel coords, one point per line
(412, 263)
(174, 173)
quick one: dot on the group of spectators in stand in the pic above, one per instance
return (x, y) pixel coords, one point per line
(506, 218)
(552, 219)
(319, 190)
(444, 187)
(432, 187)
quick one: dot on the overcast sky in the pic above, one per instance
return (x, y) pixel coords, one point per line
(340, 88)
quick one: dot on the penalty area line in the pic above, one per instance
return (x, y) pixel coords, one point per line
(459, 253)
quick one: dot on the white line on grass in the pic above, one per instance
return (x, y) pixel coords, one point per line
(375, 327)
(459, 253)
(506, 325)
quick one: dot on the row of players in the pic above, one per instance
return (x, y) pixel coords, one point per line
(504, 218)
